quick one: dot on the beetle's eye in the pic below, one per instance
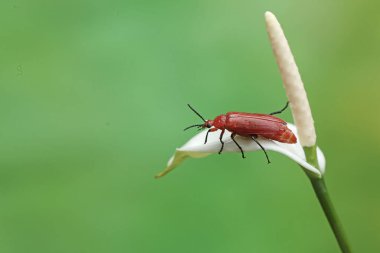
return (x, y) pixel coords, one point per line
(208, 125)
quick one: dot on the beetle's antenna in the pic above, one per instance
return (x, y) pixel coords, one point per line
(197, 113)
(193, 126)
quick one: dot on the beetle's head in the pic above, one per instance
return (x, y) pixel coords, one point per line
(206, 124)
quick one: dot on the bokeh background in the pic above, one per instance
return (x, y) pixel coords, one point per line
(93, 101)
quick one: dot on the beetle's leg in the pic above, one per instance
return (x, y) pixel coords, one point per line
(210, 130)
(258, 143)
(220, 138)
(280, 111)
(237, 144)
(207, 135)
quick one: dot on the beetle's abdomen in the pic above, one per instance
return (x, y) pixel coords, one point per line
(284, 135)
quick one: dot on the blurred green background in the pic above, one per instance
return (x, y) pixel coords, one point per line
(93, 101)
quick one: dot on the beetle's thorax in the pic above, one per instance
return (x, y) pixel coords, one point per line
(219, 121)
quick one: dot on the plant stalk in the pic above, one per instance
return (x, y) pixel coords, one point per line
(320, 190)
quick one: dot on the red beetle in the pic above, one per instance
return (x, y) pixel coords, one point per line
(249, 125)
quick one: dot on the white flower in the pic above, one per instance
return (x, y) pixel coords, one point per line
(196, 148)
(300, 107)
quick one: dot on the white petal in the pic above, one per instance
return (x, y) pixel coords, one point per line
(196, 148)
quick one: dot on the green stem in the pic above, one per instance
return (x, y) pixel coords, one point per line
(320, 190)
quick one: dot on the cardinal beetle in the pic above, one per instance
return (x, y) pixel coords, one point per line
(249, 125)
